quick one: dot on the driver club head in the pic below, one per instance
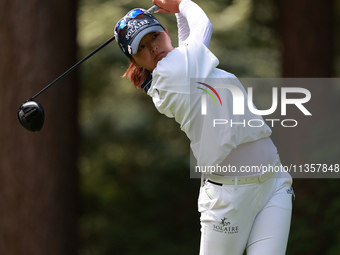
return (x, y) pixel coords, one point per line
(31, 116)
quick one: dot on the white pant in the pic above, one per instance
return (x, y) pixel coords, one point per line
(253, 217)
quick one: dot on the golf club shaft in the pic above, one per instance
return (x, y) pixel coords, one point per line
(151, 10)
(74, 66)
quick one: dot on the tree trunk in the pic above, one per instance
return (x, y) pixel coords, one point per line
(307, 52)
(307, 38)
(38, 176)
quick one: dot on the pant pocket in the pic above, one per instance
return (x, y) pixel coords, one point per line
(208, 197)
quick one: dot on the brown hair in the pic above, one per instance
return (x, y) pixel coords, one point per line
(136, 74)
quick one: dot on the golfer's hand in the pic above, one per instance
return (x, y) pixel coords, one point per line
(167, 6)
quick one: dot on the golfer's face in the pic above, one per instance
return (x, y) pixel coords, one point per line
(152, 48)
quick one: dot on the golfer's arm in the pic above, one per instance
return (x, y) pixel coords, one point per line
(192, 21)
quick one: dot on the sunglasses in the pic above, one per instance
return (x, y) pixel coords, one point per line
(130, 15)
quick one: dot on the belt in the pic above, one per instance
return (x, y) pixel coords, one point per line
(220, 180)
(226, 180)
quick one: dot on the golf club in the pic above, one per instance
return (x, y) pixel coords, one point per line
(31, 113)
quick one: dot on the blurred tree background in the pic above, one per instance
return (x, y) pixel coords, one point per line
(38, 173)
(135, 193)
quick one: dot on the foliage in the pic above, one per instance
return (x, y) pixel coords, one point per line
(137, 197)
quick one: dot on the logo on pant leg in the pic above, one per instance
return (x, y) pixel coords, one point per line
(291, 192)
(225, 227)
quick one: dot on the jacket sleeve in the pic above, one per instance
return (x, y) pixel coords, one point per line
(194, 23)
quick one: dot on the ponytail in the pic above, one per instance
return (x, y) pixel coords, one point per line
(136, 74)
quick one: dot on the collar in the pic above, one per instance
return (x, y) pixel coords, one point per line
(147, 83)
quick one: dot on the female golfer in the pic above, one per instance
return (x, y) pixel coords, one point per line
(245, 202)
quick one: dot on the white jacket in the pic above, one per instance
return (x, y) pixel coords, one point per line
(174, 92)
